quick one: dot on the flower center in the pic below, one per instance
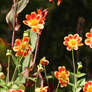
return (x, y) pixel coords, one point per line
(72, 43)
(89, 89)
(62, 75)
(34, 22)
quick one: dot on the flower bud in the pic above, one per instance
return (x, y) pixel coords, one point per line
(8, 52)
(2, 76)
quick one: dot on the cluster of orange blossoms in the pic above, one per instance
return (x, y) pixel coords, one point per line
(62, 75)
(19, 90)
(73, 41)
(36, 20)
(58, 2)
(87, 87)
(22, 46)
(44, 62)
(42, 89)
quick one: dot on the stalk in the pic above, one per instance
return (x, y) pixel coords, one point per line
(8, 70)
(14, 22)
(74, 71)
(57, 87)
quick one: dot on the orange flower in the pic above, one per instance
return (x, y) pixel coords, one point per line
(88, 41)
(72, 41)
(58, 2)
(44, 62)
(36, 20)
(62, 75)
(22, 46)
(13, 90)
(87, 87)
(42, 89)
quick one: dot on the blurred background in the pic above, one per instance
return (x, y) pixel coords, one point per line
(71, 16)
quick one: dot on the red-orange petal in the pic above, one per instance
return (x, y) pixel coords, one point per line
(33, 15)
(58, 2)
(16, 48)
(28, 17)
(18, 42)
(26, 39)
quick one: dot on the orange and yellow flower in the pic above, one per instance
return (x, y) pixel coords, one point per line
(87, 86)
(58, 2)
(44, 62)
(88, 40)
(13, 90)
(22, 46)
(73, 41)
(42, 89)
(36, 20)
(62, 75)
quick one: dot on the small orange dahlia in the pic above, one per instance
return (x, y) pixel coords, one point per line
(42, 89)
(73, 42)
(62, 75)
(44, 62)
(88, 40)
(36, 20)
(58, 2)
(13, 90)
(87, 86)
(22, 46)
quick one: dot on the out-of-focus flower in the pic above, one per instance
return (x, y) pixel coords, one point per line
(87, 86)
(36, 20)
(88, 40)
(73, 42)
(42, 89)
(13, 90)
(2, 76)
(58, 2)
(44, 62)
(62, 75)
(22, 46)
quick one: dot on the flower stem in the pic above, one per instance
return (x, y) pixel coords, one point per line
(14, 22)
(37, 46)
(13, 77)
(46, 78)
(57, 87)
(74, 71)
(8, 70)
(42, 80)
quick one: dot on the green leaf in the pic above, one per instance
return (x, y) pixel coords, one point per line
(21, 4)
(33, 79)
(3, 90)
(79, 74)
(3, 83)
(20, 80)
(81, 82)
(14, 86)
(71, 84)
(78, 89)
(49, 77)
(33, 38)
(26, 61)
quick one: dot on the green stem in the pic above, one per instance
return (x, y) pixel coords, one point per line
(46, 78)
(8, 70)
(57, 87)
(13, 77)
(74, 71)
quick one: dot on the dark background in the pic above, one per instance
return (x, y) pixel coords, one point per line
(72, 16)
